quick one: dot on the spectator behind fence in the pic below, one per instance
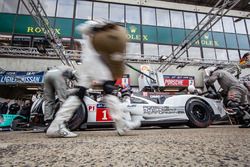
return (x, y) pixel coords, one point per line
(4, 107)
(14, 108)
(41, 49)
(245, 60)
(25, 110)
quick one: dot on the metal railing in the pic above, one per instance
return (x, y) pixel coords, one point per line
(221, 8)
(36, 10)
(30, 52)
(12, 51)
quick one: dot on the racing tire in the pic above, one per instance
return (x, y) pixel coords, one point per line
(199, 113)
(19, 124)
(80, 116)
(165, 126)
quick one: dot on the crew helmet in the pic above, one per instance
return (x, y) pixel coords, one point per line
(191, 88)
(210, 70)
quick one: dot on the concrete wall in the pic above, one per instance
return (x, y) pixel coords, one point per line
(29, 64)
(188, 71)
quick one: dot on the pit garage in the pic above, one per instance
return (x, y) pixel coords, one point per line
(20, 84)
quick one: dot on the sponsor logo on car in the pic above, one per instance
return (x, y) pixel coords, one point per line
(162, 110)
(102, 113)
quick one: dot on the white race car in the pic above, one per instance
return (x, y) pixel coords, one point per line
(192, 110)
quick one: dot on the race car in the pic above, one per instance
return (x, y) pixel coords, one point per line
(12, 121)
(192, 110)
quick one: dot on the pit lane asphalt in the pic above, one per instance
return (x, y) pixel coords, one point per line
(179, 146)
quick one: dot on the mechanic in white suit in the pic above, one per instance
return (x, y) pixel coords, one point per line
(102, 60)
(55, 84)
(125, 93)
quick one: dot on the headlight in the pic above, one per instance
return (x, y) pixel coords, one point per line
(1, 118)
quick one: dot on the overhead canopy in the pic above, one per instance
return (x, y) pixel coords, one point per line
(242, 5)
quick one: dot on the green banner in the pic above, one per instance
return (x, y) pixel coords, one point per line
(77, 22)
(164, 35)
(219, 39)
(197, 42)
(134, 32)
(149, 34)
(7, 23)
(178, 35)
(206, 40)
(231, 40)
(63, 27)
(26, 25)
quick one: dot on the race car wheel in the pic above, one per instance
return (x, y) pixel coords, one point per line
(19, 124)
(80, 116)
(199, 113)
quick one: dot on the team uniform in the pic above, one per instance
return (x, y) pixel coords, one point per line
(236, 92)
(55, 85)
(102, 61)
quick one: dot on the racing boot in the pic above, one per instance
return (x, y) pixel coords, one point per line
(57, 128)
(116, 112)
(47, 125)
(246, 124)
(121, 127)
(133, 124)
(246, 119)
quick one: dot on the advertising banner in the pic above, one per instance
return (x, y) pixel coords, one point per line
(21, 77)
(124, 81)
(178, 80)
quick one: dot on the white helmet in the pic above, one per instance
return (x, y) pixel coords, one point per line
(209, 70)
(86, 27)
(191, 88)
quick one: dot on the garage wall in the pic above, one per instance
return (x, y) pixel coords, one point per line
(28, 64)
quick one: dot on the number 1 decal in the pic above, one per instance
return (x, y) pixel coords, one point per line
(104, 118)
(102, 115)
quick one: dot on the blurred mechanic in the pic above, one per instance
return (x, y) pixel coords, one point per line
(193, 90)
(55, 85)
(103, 61)
(234, 92)
(245, 60)
(132, 117)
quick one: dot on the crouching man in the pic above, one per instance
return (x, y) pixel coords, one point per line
(235, 92)
(55, 84)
